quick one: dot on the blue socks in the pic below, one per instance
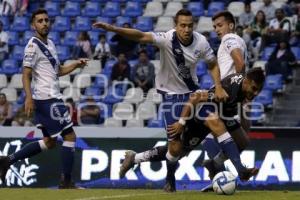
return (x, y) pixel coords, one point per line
(67, 156)
(27, 151)
(231, 151)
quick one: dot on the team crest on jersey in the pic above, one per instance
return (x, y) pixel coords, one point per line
(197, 53)
(237, 79)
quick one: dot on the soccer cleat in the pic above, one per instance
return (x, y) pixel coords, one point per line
(247, 173)
(208, 188)
(210, 166)
(4, 166)
(127, 163)
(170, 185)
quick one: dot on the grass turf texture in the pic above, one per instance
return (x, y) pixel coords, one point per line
(118, 194)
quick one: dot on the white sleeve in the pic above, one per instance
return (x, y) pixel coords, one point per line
(230, 44)
(30, 55)
(160, 39)
(208, 53)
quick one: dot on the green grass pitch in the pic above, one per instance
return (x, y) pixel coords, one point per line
(118, 194)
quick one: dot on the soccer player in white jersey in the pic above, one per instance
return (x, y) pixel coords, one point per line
(51, 115)
(180, 49)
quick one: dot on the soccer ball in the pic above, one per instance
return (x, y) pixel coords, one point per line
(224, 183)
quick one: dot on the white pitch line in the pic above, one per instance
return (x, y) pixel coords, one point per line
(121, 196)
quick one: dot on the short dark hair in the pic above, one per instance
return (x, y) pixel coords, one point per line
(143, 51)
(184, 12)
(227, 15)
(256, 74)
(38, 12)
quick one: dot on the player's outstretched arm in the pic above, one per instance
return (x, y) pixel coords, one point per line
(80, 63)
(26, 79)
(130, 33)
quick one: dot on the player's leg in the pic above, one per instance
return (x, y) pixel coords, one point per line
(228, 146)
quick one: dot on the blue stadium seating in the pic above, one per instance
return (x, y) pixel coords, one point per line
(196, 8)
(274, 83)
(108, 67)
(53, 8)
(206, 82)
(82, 24)
(133, 9)
(215, 7)
(144, 24)
(122, 20)
(201, 69)
(17, 53)
(296, 51)
(9, 67)
(55, 37)
(93, 91)
(70, 38)
(267, 53)
(102, 19)
(94, 35)
(26, 37)
(63, 52)
(265, 97)
(256, 114)
(155, 123)
(20, 24)
(111, 9)
(113, 96)
(32, 6)
(72, 9)
(13, 38)
(91, 9)
(5, 22)
(120, 1)
(101, 81)
(109, 35)
(61, 24)
(21, 97)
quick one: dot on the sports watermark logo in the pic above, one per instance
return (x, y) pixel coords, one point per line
(23, 174)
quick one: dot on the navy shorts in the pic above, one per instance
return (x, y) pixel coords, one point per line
(172, 105)
(52, 116)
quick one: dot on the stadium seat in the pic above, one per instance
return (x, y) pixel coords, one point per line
(13, 38)
(144, 24)
(196, 8)
(108, 67)
(18, 53)
(93, 67)
(134, 123)
(5, 22)
(53, 8)
(153, 96)
(61, 24)
(257, 114)
(201, 68)
(255, 5)
(64, 81)
(153, 9)
(133, 9)
(164, 24)
(82, 81)
(215, 7)
(16, 81)
(102, 19)
(63, 52)
(123, 111)
(9, 67)
(172, 7)
(111, 122)
(274, 83)
(71, 92)
(55, 37)
(93, 91)
(265, 97)
(267, 53)
(101, 81)
(21, 98)
(134, 95)
(26, 37)
(120, 20)
(146, 110)
(82, 24)
(91, 9)
(206, 82)
(111, 9)
(155, 123)
(10, 93)
(72, 9)
(204, 24)
(70, 38)
(236, 8)
(3, 80)
(113, 96)
(94, 36)
(296, 51)
(32, 6)
(20, 24)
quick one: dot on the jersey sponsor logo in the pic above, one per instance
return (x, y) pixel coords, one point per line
(236, 79)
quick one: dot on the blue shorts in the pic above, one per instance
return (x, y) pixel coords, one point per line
(52, 116)
(172, 107)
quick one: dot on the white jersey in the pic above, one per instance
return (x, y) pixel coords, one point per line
(45, 76)
(168, 78)
(230, 42)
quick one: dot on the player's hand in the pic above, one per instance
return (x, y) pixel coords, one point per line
(81, 62)
(220, 94)
(29, 106)
(104, 26)
(175, 129)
